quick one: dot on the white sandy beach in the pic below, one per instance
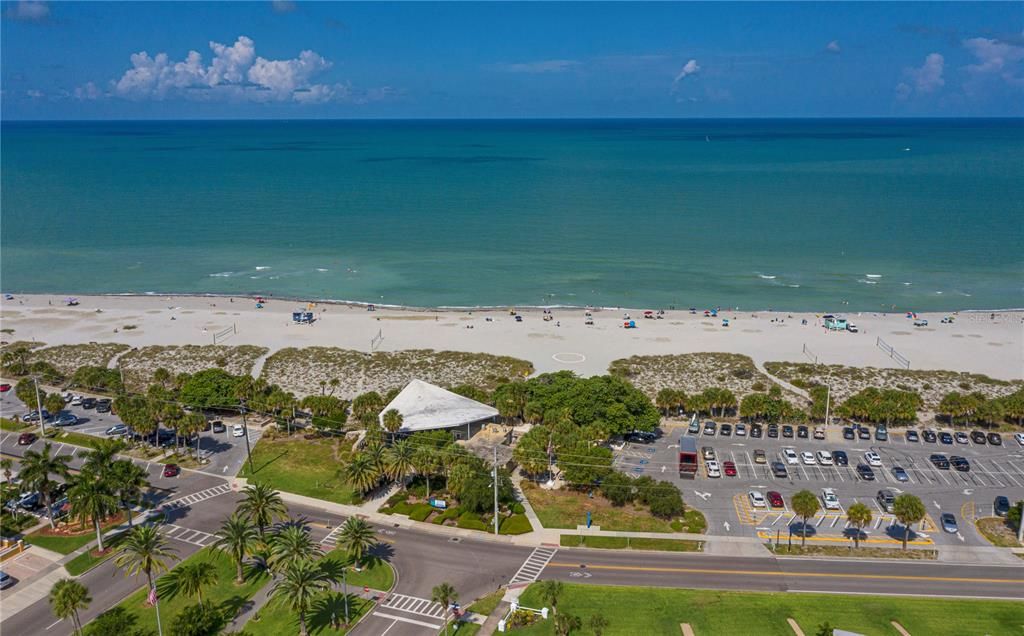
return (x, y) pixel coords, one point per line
(987, 343)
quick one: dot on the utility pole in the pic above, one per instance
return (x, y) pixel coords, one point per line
(245, 429)
(828, 394)
(39, 408)
(1020, 525)
(495, 490)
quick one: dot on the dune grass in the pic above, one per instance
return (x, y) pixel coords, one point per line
(309, 467)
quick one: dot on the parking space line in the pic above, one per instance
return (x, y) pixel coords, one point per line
(1008, 474)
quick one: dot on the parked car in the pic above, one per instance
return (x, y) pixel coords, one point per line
(30, 501)
(4, 388)
(852, 328)
(1020, 438)
(829, 498)
(756, 499)
(960, 463)
(900, 474)
(116, 429)
(756, 431)
(802, 432)
(864, 432)
(885, 498)
(819, 432)
(961, 437)
(978, 437)
(840, 458)
(865, 472)
(912, 436)
(103, 406)
(790, 455)
(641, 437)
(787, 431)
(929, 436)
(824, 458)
(66, 419)
(807, 457)
(872, 458)
(238, 431)
(725, 430)
(849, 433)
(693, 428)
(712, 468)
(939, 461)
(172, 470)
(1001, 506)
(26, 439)
(729, 468)
(710, 427)
(76, 400)
(88, 403)
(741, 430)
(760, 457)
(708, 452)
(945, 438)
(775, 499)
(995, 439)
(33, 416)
(881, 433)
(779, 470)
(6, 580)
(218, 426)
(773, 431)
(949, 523)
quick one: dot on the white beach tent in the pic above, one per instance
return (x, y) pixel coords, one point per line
(426, 407)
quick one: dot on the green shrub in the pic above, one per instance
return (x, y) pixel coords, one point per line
(518, 508)
(420, 512)
(758, 386)
(515, 524)
(471, 521)
(677, 526)
(451, 513)
(402, 508)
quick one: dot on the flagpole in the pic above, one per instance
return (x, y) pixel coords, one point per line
(156, 602)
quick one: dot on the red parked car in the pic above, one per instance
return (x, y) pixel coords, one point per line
(25, 439)
(730, 468)
(4, 388)
(171, 470)
(775, 499)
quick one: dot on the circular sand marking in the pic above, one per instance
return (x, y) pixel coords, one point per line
(567, 357)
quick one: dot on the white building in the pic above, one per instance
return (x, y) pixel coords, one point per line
(425, 407)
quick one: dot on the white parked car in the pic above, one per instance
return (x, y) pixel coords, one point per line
(808, 458)
(819, 432)
(756, 499)
(238, 430)
(831, 500)
(790, 456)
(1019, 437)
(76, 400)
(824, 458)
(713, 469)
(740, 430)
(872, 458)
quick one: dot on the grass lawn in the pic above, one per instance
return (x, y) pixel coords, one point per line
(568, 509)
(77, 439)
(693, 521)
(66, 544)
(643, 610)
(308, 467)
(88, 560)
(278, 620)
(632, 543)
(15, 426)
(463, 629)
(998, 532)
(864, 552)
(485, 605)
(377, 576)
(225, 595)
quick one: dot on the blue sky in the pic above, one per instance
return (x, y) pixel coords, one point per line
(96, 60)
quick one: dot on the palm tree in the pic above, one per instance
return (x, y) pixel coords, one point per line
(859, 516)
(67, 596)
(444, 595)
(129, 481)
(549, 593)
(361, 472)
(292, 543)
(192, 578)
(237, 537)
(392, 422)
(806, 505)
(91, 498)
(426, 462)
(144, 550)
(262, 504)
(356, 539)
(101, 457)
(301, 582)
(7, 466)
(566, 623)
(908, 509)
(377, 453)
(401, 461)
(36, 469)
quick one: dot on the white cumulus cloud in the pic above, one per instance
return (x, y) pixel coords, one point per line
(28, 11)
(283, 6)
(924, 79)
(833, 46)
(996, 58)
(688, 69)
(87, 92)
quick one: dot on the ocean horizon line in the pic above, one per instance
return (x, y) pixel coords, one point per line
(560, 119)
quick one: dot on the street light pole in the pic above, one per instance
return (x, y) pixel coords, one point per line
(495, 490)
(39, 408)
(245, 429)
(828, 395)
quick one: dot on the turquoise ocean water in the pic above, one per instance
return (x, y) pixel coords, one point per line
(795, 214)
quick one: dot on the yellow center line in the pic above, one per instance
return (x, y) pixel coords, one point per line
(887, 577)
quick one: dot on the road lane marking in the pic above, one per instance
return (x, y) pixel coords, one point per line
(408, 620)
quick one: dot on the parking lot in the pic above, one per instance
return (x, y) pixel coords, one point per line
(223, 452)
(994, 470)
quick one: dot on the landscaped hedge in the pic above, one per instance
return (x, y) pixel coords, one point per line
(518, 508)
(420, 512)
(451, 513)
(515, 524)
(471, 521)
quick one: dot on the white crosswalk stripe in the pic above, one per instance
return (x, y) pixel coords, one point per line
(534, 565)
(414, 605)
(332, 537)
(188, 535)
(196, 497)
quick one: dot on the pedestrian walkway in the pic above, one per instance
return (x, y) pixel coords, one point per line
(188, 535)
(196, 497)
(533, 566)
(429, 613)
(331, 540)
